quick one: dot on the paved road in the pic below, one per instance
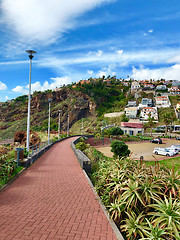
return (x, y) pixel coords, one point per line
(53, 200)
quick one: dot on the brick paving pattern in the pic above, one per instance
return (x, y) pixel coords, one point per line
(53, 200)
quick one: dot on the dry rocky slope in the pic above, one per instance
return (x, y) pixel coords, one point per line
(13, 115)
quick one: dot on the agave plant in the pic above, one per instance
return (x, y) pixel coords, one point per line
(134, 226)
(149, 188)
(172, 183)
(116, 209)
(116, 183)
(167, 214)
(131, 194)
(156, 233)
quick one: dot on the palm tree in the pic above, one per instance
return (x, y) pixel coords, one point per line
(151, 122)
(167, 120)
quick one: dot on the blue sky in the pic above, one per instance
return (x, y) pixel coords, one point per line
(79, 39)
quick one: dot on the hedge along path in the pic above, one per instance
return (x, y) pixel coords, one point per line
(53, 200)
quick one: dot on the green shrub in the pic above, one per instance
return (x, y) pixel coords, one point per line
(120, 149)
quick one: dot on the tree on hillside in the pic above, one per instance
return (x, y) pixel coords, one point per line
(167, 120)
(151, 123)
(116, 131)
(120, 149)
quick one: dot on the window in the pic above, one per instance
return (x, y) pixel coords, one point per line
(131, 133)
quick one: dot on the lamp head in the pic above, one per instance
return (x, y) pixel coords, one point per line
(49, 100)
(30, 52)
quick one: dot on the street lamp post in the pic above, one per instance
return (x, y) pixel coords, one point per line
(49, 100)
(68, 125)
(30, 52)
(59, 125)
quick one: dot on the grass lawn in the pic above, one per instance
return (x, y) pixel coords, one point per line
(169, 163)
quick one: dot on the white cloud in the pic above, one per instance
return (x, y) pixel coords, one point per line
(99, 53)
(168, 73)
(55, 82)
(90, 72)
(6, 97)
(37, 86)
(120, 52)
(20, 89)
(43, 20)
(106, 71)
(3, 86)
(119, 57)
(175, 59)
(148, 32)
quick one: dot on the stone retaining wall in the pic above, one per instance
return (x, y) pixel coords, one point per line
(83, 160)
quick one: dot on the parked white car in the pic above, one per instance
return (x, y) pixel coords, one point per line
(164, 151)
(176, 147)
(175, 150)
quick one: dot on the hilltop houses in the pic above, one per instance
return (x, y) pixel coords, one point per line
(162, 101)
(131, 112)
(146, 102)
(149, 111)
(161, 87)
(135, 86)
(174, 90)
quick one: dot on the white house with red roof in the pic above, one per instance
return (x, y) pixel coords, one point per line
(132, 128)
(146, 111)
(162, 101)
(174, 90)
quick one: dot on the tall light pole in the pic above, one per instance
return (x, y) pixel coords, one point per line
(59, 125)
(49, 100)
(30, 52)
(68, 125)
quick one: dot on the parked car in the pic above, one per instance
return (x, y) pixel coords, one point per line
(176, 146)
(178, 138)
(175, 150)
(163, 151)
(156, 140)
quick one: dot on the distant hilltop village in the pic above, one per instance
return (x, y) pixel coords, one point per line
(151, 84)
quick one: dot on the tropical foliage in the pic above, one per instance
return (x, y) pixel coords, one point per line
(8, 168)
(143, 201)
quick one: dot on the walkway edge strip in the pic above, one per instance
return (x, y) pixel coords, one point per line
(113, 225)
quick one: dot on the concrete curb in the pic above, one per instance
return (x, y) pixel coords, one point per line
(113, 225)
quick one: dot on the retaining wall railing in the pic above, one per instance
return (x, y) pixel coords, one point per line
(37, 147)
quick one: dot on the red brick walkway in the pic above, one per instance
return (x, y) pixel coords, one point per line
(53, 200)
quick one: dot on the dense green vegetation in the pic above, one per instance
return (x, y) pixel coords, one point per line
(120, 149)
(143, 201)
(8, 169)
(108, 97)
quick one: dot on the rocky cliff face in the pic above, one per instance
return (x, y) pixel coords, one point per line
(69, 101)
